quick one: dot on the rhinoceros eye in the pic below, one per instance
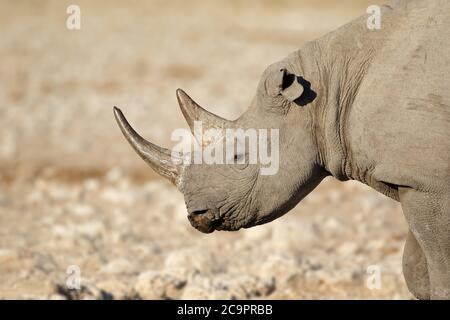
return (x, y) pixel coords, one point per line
(240, 158)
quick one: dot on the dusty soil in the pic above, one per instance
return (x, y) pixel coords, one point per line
(72, 192)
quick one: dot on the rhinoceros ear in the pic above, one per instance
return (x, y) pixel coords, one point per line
(291, 88)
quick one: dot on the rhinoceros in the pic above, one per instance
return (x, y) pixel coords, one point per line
(364, 104)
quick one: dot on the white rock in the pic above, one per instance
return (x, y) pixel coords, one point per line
(35, 196)
(81, 210)
(91, 229)
(62, 231)
(279, 266)
(8, 256)
(114, 175)
(117, 266)
(117, 196)
(347, 248)
(181, 263)
(91, 184)
(157, 285)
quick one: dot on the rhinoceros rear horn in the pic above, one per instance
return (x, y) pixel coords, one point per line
(194, 112)
(158, 158)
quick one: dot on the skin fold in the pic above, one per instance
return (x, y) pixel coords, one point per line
(356, 104)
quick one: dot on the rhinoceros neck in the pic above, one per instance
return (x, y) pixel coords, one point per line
(336, 65)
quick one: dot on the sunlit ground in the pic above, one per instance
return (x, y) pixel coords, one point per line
(73, 193)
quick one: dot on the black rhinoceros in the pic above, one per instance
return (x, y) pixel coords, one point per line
(360, 104)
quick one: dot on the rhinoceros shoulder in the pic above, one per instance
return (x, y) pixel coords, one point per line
(399, 123)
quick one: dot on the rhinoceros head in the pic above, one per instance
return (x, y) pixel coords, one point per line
(235, 194)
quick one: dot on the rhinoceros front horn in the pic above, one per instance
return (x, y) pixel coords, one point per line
(158, 158)
(193, 112)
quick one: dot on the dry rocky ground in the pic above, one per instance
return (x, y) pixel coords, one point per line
(72, 192)
(132, 240)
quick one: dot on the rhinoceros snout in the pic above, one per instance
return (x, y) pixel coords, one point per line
(204, 220)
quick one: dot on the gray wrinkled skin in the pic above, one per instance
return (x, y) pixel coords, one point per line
(374, 106)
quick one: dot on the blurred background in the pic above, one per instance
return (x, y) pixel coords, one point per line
(73, 193)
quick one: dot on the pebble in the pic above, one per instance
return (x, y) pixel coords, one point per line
(156, 285)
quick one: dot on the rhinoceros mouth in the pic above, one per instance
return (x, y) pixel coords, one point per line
(204, 220)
